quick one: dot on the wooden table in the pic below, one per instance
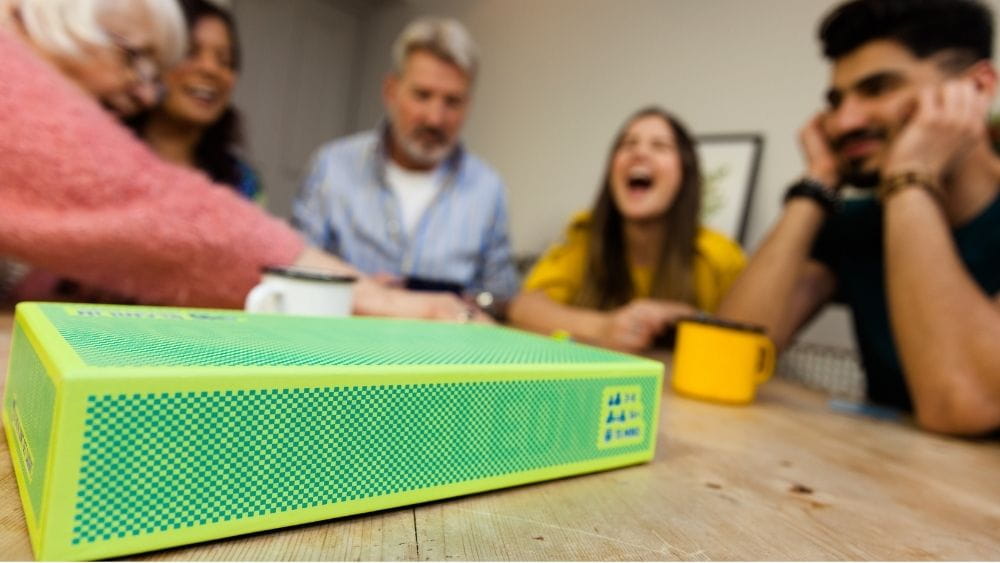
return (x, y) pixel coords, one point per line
(785, 478)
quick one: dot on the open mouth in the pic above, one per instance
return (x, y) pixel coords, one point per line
(204, 94)
(640, 181)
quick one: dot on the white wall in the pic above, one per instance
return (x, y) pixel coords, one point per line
(301, 63)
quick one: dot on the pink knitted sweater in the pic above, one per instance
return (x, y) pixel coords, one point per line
(81, 197)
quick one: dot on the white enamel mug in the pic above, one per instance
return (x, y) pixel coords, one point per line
(299, 291)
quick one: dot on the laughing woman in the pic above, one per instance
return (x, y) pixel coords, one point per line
(628, 269)
(196, 125)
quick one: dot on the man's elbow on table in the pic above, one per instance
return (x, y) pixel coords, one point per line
(962, 410)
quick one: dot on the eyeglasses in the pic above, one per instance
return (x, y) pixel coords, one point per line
(139, 61)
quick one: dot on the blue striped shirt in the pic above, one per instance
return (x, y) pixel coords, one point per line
(346, 207)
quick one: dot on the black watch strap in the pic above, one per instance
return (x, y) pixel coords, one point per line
(807, 187)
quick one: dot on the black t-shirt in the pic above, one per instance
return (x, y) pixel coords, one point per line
(851, 245)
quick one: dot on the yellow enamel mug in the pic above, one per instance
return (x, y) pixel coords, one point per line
(721, 361)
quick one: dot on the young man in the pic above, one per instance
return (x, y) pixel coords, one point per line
(918, 262)
(407, 201)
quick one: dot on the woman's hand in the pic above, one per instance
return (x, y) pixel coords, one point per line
(634, 327)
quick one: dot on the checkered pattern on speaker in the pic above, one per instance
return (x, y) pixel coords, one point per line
(236, 339)
(166, 461)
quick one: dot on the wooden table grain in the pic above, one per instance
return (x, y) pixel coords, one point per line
(784, 478)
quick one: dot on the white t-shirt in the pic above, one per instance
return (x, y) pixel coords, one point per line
(414, 191)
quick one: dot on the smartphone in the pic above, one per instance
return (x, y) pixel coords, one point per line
(428, 284)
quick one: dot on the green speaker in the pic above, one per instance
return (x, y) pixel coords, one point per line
(139, 428)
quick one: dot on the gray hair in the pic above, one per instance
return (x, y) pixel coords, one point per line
(67, 26)
(445, 38)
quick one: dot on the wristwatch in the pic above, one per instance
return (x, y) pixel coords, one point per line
(816, 191)
(492, 306)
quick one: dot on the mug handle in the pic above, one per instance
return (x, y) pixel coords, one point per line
(765, 361)
(265, 298)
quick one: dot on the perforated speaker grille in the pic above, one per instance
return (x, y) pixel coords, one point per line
(161, 338)
(167, 461)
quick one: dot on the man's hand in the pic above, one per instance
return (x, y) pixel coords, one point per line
(634, 327)
(946, 124)
(436, 306)
(821, 162)
(387, 279)
(374, 299)
(448, 307)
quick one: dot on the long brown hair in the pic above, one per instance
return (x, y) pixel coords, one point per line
(608, 282)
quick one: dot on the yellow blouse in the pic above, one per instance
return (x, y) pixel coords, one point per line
(559, 273)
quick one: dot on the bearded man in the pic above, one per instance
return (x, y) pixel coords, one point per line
(406, 202)
(917, 256)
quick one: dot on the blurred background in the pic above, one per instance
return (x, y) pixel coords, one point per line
(558, 77)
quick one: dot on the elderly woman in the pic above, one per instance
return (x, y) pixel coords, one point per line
(82, 198)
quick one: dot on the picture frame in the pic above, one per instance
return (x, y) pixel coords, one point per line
(730, 163)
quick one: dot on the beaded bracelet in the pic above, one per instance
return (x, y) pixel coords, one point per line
(910, 179)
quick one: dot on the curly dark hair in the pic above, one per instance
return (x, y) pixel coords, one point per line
(924, 27)
(214, 152)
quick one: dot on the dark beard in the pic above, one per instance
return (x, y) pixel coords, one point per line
(852, 172)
